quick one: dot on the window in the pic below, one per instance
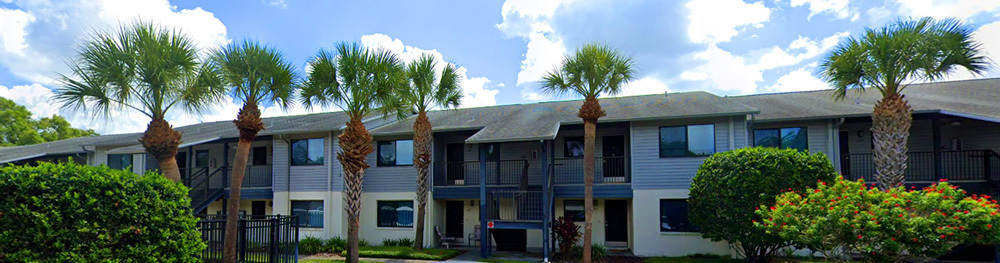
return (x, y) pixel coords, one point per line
(388, 151)
(120, 161)
(395, 213)
(574, 147)
(783, 138)
(307, 152)
(690, 140)
(310, 213)
(574, 209)
(201, 158)
(259, 156)
(674, 216)
(492, 151)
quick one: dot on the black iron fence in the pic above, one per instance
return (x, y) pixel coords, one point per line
(271, 239)
(505, 172)
(611, 169)
(514, 205)
(928, 166)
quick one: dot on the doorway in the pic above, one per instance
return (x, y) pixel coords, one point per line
(845, 154)
(258, 208)
(616, 220)
(454, 219)
(613, 158)
(455, 159)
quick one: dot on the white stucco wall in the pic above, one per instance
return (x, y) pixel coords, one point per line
(334, 220)
(371, 232)
(245, 205)
(649, 241)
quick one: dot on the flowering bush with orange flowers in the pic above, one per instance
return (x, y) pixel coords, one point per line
(884, 225)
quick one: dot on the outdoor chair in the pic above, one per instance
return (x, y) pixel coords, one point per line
(474, 236)
(446, 242)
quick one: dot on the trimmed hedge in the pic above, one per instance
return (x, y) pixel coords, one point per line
(731, 185)
(75, 213)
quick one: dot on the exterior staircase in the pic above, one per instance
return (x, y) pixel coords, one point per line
(206, 187)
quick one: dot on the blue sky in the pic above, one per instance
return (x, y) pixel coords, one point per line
(727, 47)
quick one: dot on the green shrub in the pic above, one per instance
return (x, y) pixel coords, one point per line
(567, 233)
(729, 187)
(597, 251)
(334, 245)
(361, 243)
(406, 253)
(311, 245)
(851, 217)
(76, 213)
(402, 242)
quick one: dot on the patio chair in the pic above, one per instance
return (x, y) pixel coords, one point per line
(474, 236)
(445, 241)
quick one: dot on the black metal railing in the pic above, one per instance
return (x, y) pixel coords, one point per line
(504, 172)
(255, 176)
(612, 169)
(205, 185)
(273, 238)
(514, 205)
(928, 166)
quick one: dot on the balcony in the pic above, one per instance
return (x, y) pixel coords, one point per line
(514, 205)
(498, 173)
(612, 169)
(969, 165)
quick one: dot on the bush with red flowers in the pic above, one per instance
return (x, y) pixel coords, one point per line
(851, 217)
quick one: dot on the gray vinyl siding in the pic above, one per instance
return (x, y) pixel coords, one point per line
(817, 133)
(300, 178)
(973, 134)
(279, 165)
(337, 180)
(649, 171)
(389, 178)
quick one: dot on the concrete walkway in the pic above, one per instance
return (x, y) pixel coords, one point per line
(473, 256)
(387, 260)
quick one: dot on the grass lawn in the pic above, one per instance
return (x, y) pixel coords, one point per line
(501, 261)
(722, 260)
(406, 253)
(329, 261)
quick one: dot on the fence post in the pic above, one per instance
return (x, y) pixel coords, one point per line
(242, 243)
(274, 239)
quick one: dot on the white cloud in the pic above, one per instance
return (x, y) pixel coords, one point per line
(720, 21)
(946, 8)
(35, 97)
(531, 20)
(278, 3)
(739, 74)
(989, 36)
(643, 86)
(38, 36)
(835, 7)
(476, 91)
(798, 80)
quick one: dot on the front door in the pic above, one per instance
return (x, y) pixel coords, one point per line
(454, 217)
(455, 159)
(613, 160)
(616, 220)
(845, 154)
(257, 208)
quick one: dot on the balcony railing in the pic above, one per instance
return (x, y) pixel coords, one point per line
(612, 169)
(505, 172)
(255, 176)
(514, 205)
(920, 166)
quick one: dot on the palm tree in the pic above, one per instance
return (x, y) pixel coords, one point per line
(427, 90)
(592, 71)
(360, 82)
(888, 59)
(256, 74)
(145, 68)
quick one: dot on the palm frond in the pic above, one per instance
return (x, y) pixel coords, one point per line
(593, 70)
(256, 74)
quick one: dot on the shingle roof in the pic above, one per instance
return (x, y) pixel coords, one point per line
(63, 147)
(969, 98)
(524, 122)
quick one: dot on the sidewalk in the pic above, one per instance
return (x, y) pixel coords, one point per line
(387, 260)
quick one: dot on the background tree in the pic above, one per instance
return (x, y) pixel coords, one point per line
(256, 75)
(145, 68)
(592, 71)
(427, 90)
(360, 82)
(888, 59)
(731, 185)
(20, 129)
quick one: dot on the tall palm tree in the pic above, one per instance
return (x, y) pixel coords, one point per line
(360, 82)
(256, 74)
(427, 90)
(888, 59)
(592, 71)
(145, 68)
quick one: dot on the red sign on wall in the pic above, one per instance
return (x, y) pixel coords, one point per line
(489, 224)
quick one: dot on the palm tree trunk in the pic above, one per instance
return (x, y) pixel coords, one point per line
(161, 141)
(422, 139)
(590, 111)
(355, 145)
(891, 121)
(249, 123)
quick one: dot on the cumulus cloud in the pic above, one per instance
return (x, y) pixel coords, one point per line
(798, 80)
(720, 21)
(476, 91)
(532, 21)
(946, 8)
(989, 36)
(643, 86)
(837, 8)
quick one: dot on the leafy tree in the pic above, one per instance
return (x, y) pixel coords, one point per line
(427, 90)
(256, 74)
(145, 68)
(360, 82)
(731, 185)
(887, 60)
(20, 129)
(592, 71)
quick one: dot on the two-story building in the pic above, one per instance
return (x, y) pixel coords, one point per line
(513, 169)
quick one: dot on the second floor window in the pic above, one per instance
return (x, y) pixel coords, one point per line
(307, 152)
(120, 161)
(686, 141)
(783, 138)
(574, 147)
(259, 155)
(395, 213)
(201, 158)
(392, 153)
